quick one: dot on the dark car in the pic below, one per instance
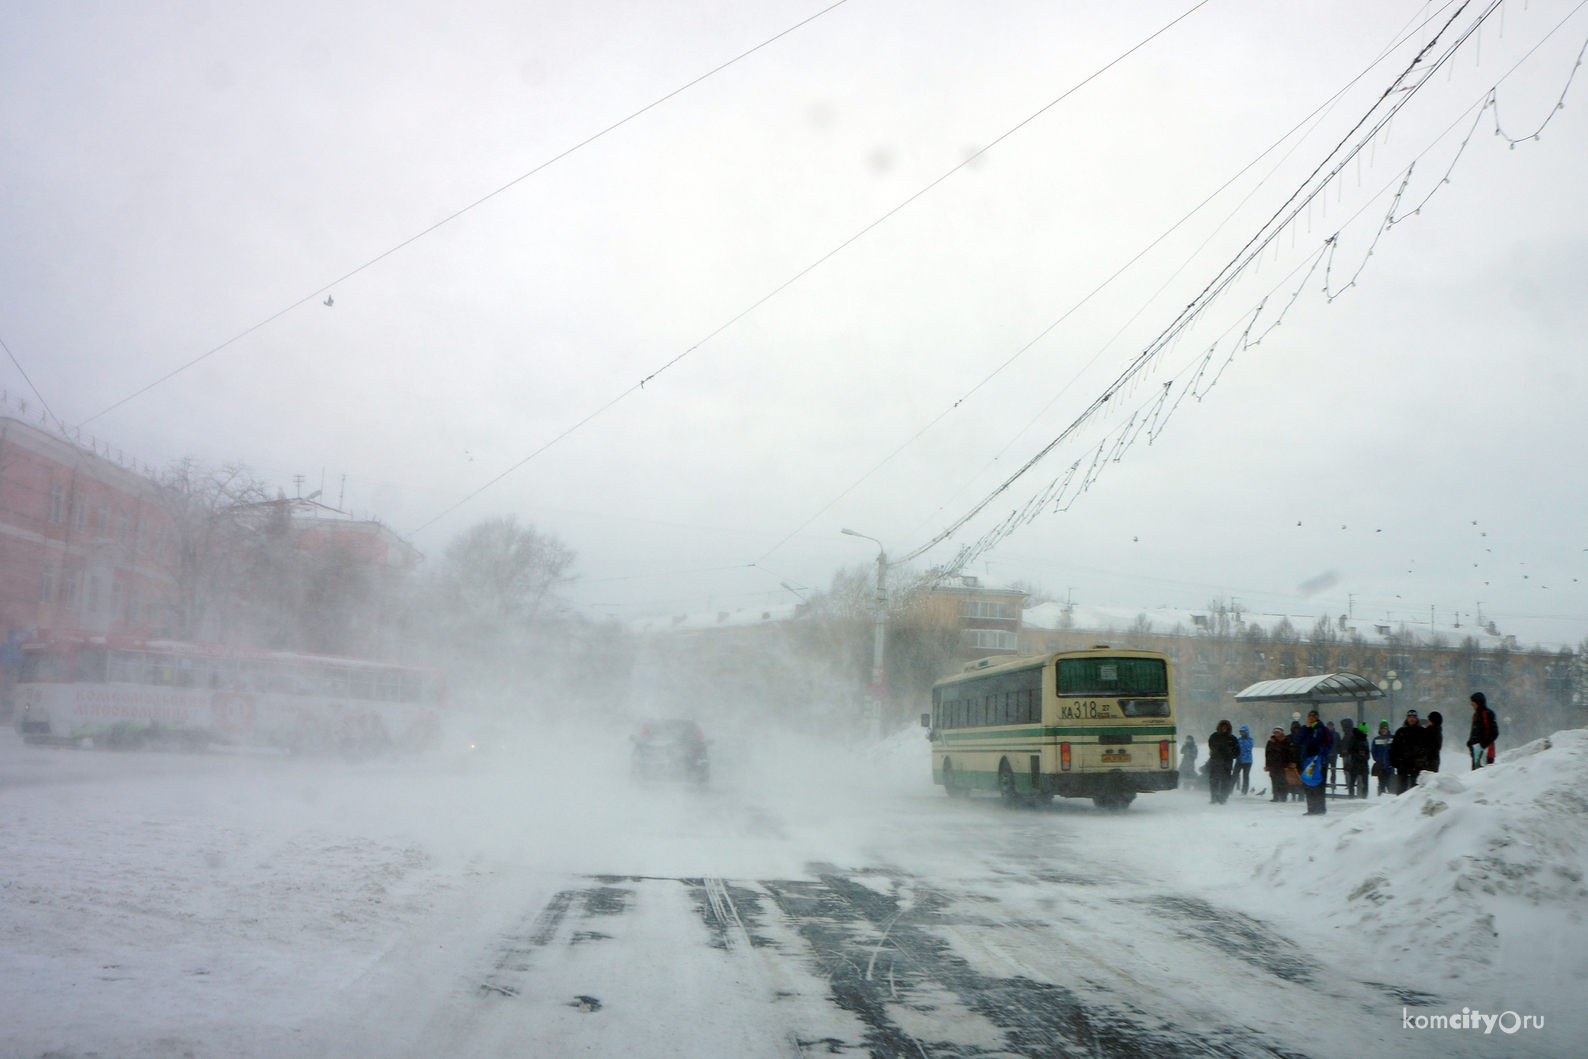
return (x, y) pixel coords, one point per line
(671, 751)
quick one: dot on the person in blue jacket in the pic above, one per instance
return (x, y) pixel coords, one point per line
(1314, 748)
(1381, 757)
(1243, 764)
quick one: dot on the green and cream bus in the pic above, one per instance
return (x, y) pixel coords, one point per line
(1096, 724)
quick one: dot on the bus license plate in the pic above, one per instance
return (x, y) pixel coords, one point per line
(1116, 756)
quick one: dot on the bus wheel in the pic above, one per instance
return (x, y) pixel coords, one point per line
(948, 782)
(1006, 785)
(1114, 801)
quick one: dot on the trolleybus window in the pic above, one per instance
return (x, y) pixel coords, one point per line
(1113, 677)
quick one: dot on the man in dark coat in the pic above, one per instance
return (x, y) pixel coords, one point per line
(1485, 730)
(1315, 746)
(1406, 753)
(1276, 756)
(1295, 756)
(1223, 751)
(1433, 740)
(1354, 755)
(1188, 763)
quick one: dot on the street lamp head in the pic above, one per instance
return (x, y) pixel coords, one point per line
(852, 533)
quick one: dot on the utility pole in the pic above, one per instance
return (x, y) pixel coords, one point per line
(879, 636)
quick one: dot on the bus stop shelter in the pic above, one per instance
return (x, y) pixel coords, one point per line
(1315, 692)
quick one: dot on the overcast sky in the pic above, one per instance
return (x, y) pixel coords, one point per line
(171, 175)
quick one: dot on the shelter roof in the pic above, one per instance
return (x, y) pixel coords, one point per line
(1325, 687)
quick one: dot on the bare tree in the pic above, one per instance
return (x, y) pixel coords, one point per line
(215, 517)
(500, 572)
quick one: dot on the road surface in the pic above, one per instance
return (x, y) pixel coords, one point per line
(812, 902)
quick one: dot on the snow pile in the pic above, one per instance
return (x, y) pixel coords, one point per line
(903, 760)
(1469, 868)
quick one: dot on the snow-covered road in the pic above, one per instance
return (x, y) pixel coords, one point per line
(810, 903)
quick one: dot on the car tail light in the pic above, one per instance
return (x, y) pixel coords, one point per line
(1064, 756)
(1163, 754)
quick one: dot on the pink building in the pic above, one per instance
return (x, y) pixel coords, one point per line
(84, 543)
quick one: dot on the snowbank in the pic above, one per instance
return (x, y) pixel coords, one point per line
(903, 761)
(1471, 870)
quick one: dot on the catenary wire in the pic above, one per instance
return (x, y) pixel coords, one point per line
(1329, 103)
(449, 218)
(802, 273)
(25, 378)
(1305, 193)
(998, 533)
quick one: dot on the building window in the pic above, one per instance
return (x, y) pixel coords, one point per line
(102, 521)
(122, 526)
(91, 600)
(983, 608)
(117, 594)
(988, 639)
(1317, 660)
(47, 583)
(78, 515)
(57, 503)
(69, 584)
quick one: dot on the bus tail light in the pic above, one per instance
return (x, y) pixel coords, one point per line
(1163, 754)
(1064, 756)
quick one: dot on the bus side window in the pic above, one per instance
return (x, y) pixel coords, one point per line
(91, 665)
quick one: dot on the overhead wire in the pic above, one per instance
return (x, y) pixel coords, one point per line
(1285, 215)
(28, 379)
(1324, 107)
(824, 258)
(968, 553)
(449, 218)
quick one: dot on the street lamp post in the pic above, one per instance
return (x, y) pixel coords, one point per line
(879, 635)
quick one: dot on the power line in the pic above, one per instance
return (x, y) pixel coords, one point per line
(458, 213)
(1123, 437)
(802, 273)
(29, 381)
(1310, 187)
(1328, 103)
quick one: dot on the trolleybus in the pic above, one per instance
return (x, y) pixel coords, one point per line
(1096, 724)
(131, 692)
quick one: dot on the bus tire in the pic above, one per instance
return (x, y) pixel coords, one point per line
(1040, 801)
(1114, 801)
(1006, 785)
(948, 782)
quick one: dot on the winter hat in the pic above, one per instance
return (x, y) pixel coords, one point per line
(1479, 698)
(1436, 717)
(1384, 723)
(1411, 713)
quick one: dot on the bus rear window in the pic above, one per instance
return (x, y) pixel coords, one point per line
(1113, 676)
